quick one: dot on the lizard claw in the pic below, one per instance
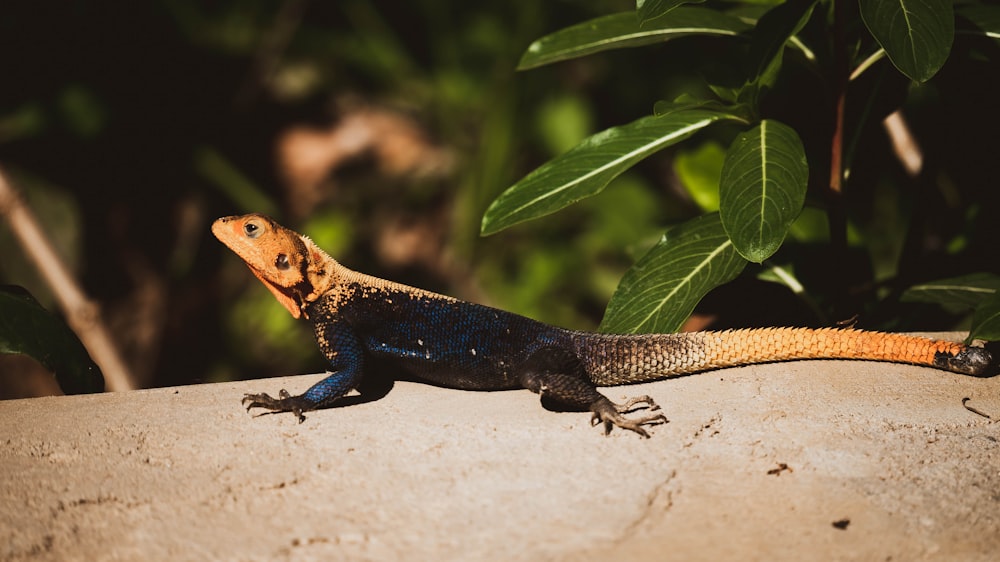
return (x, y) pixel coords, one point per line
(631, 402)
(285, 402)
(610, 414)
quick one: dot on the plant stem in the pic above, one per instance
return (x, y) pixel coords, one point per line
(841, 76)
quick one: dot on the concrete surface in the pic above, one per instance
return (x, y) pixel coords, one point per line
(756, 463)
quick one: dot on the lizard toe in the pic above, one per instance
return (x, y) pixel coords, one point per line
(610, 415)
(631, 403)
(257, 401)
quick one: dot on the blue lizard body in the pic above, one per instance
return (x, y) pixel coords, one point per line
(442, 341)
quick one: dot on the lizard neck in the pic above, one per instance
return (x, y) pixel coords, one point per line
(322, 275)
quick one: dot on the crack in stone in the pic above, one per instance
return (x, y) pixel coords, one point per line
(659, 501)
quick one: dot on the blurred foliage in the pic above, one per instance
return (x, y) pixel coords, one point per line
(384, 130)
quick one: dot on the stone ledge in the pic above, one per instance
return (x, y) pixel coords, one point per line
(756, 463)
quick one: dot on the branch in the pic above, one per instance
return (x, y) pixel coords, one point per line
(82, 314)
(904, 145)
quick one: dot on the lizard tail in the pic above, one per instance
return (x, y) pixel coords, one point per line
(622, 359)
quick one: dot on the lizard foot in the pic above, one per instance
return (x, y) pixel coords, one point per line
(285, 402)
(610, 414)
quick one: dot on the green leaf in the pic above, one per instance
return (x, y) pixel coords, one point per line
(588, 167)
(622, 30)
(916, 34)
(649, 10)
(986, 320)
(686, 102)
(762, 188)
(660, 291)
(967, 291)
(29, 329)
(774, 29)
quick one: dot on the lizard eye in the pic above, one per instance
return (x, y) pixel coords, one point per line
(251, 230)
(282, 262)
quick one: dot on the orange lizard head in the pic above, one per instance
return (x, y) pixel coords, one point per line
(291, 266)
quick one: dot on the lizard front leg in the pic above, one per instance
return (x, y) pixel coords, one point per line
(345, 354)
(559, 375)
(318, 395)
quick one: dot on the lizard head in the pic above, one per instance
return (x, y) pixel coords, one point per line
(291, 266)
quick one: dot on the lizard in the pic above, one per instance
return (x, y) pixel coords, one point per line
(360, 319)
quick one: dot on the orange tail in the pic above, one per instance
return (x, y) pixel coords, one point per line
(622, 359)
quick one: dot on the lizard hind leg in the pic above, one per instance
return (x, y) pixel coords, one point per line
(558, 375)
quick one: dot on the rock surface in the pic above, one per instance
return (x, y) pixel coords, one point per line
(810, 460)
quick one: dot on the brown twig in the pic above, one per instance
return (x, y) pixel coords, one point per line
(841, 78)
(82, 314)
(904, 144)
(965, 402)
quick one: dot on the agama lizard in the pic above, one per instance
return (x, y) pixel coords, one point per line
(359, 319)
